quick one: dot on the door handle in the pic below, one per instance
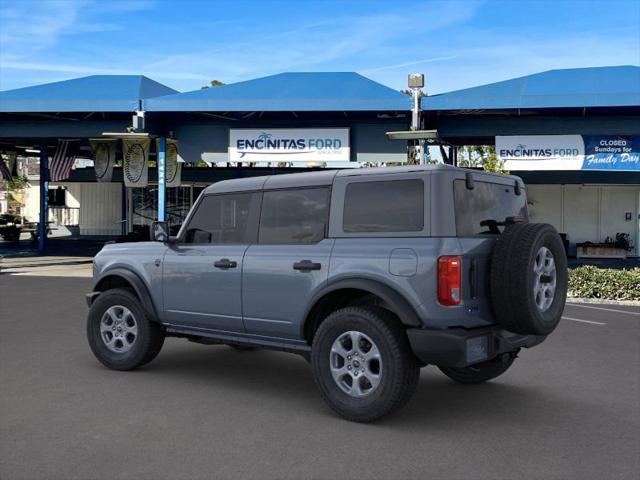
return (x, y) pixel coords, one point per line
(306, 265)
(225, 263)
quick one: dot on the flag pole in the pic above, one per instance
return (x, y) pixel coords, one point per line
(162, 178)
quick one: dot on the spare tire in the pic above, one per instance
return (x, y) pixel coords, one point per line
(528, 278)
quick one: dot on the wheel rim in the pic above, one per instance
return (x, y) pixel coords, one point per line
(356, 364)
(544, 283)
(118, 329)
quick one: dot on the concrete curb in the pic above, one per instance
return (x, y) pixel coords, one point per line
(601, 301)
(6, 267)
(30, 262)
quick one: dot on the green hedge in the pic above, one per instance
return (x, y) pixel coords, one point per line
(593, 282)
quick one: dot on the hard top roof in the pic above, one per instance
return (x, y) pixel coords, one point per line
(311, 179)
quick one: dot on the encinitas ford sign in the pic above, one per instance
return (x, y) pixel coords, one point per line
(289, 145)
(569, 152)
(541, 152)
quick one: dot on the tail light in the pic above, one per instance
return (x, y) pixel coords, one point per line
(449, 280)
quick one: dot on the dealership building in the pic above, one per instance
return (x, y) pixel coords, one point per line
(573, 135)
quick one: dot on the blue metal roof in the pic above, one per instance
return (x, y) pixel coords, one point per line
(96, 93)
(298, 92)
(577, 87)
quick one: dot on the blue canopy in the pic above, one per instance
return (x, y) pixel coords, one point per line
(289, 92)
(96, 93)
(577, 87)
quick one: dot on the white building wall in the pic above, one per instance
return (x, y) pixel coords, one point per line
(587, 213)
(100, 208)
(31, 208)
(73, 195)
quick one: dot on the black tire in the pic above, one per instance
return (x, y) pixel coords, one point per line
(480, 372)
(399, 371)
(512, 278)
(146, 344)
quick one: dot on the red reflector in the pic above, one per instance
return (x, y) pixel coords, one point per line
(449, 280)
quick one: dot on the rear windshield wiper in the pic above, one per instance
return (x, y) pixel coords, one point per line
(494, 224)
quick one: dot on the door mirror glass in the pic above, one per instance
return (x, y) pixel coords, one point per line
(160, 232)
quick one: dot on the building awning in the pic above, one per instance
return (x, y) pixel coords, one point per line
(96, 93)
(617, 86)
(288, 92)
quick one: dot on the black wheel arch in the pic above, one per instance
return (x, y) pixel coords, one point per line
(124, 278)
(392, 300)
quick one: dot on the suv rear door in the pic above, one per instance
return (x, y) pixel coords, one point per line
(202, 272)
(289, 263)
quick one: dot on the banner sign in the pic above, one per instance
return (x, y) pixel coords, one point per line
(541, 152)
(289, 145)
(610, 152)
(569, 152)
(104, 157)
(173, 167)
(136, 162)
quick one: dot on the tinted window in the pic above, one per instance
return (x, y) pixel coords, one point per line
(388, 206)
(294, 216)
(487, 201)
(224, 219)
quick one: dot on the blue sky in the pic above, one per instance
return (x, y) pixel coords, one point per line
(184, 44)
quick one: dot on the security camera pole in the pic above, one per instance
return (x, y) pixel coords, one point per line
(416, 83)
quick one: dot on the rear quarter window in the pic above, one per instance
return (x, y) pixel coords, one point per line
(384, 206)
(487, 201)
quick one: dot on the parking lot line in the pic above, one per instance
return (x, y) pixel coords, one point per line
(583, 321)
(603, 308)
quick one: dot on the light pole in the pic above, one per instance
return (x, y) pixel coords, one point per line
(416, 83)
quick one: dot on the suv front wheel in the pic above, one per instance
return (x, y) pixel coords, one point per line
(363, 364)
(120, 333)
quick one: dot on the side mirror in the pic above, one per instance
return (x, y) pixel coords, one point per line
(160, 232)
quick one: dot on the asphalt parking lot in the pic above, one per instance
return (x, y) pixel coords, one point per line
(569, 408)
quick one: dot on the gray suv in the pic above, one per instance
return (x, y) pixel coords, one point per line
(370, 274)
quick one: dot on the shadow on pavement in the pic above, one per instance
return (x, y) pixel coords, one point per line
(438, 401)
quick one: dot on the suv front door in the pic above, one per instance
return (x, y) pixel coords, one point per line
(202, 272)
(289, 263)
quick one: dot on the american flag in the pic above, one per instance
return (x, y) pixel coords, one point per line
(4, 170)
(62, 161)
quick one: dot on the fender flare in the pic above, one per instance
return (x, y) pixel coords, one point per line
(133, 279)
(396, 302)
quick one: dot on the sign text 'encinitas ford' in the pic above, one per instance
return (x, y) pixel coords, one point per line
(289, 145)
(569, 152)
(541, 152)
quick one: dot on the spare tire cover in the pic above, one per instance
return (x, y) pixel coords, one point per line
(528, 278)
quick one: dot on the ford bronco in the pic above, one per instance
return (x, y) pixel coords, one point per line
(370, 274)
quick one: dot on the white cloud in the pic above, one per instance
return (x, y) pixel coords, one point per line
(436, 37)
(408, 64)
(31, 27)
(89, 70)
(349, 40)
(501, 57)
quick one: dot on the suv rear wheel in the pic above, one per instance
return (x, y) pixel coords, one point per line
(120, 333)
(362, 363)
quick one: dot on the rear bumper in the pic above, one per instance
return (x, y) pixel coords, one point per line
(459, 347)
